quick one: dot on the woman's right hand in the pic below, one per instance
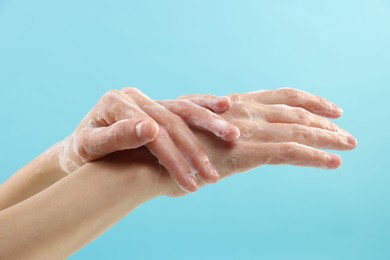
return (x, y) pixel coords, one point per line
(128, 119)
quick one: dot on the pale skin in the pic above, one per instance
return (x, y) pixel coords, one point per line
(114, 125)
(128, 119)
(273, 131)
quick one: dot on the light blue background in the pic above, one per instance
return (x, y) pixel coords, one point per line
(58, 57)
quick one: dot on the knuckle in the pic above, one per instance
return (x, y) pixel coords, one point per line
(320, 158)
(276, 115)
(234, 98)
(185, 102)
(289, 150)
(291, 93)
(266, 135)
(180, 160)
(237, 107)
(163, 133)
(342, 141)
(331, 126)
(320, 100)
(325, 124)
(317, 159)
(302, 133)
(109, 95)
(108, 103)
(131, 91)
(198, 151)
(267, 138)
(128, 89)
(183, 97)
(182, 104)
(302, 114)
(178, 166)
(118, 134)
(175, 122)
(170, 105)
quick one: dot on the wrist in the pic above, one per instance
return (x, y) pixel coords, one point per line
(132, 170)
(65, 156)
(52, 158)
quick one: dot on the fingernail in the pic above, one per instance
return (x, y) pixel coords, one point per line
(223, 103)
(212, 171)
(352, 141)
(212, 174)
(145, 130)
(233, 134)
(337, 108)
(138, 129)
(225, 130)
(236, 133)
(192, 181)
(334, 161)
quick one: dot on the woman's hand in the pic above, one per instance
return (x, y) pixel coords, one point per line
(277, 127)
(282, 127)
(128, 119)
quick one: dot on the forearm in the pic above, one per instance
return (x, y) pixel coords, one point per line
(36, 176)
(100, 199)
(66, 216)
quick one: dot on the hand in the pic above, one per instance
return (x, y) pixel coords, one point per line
(128, 119)
(281, 127)
(277, 127)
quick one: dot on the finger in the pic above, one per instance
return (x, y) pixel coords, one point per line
(315, 137)
(291, 153)
(190, 147)
(116, 106)
(181, 135)
(172, 159)
(214, 103)
(298, 98)
(297, 115)
(95, 143)
(300, 155)
(193, 150)
(202, 119)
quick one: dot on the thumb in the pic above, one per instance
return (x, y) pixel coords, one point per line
(122, 135)
(145, 131)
